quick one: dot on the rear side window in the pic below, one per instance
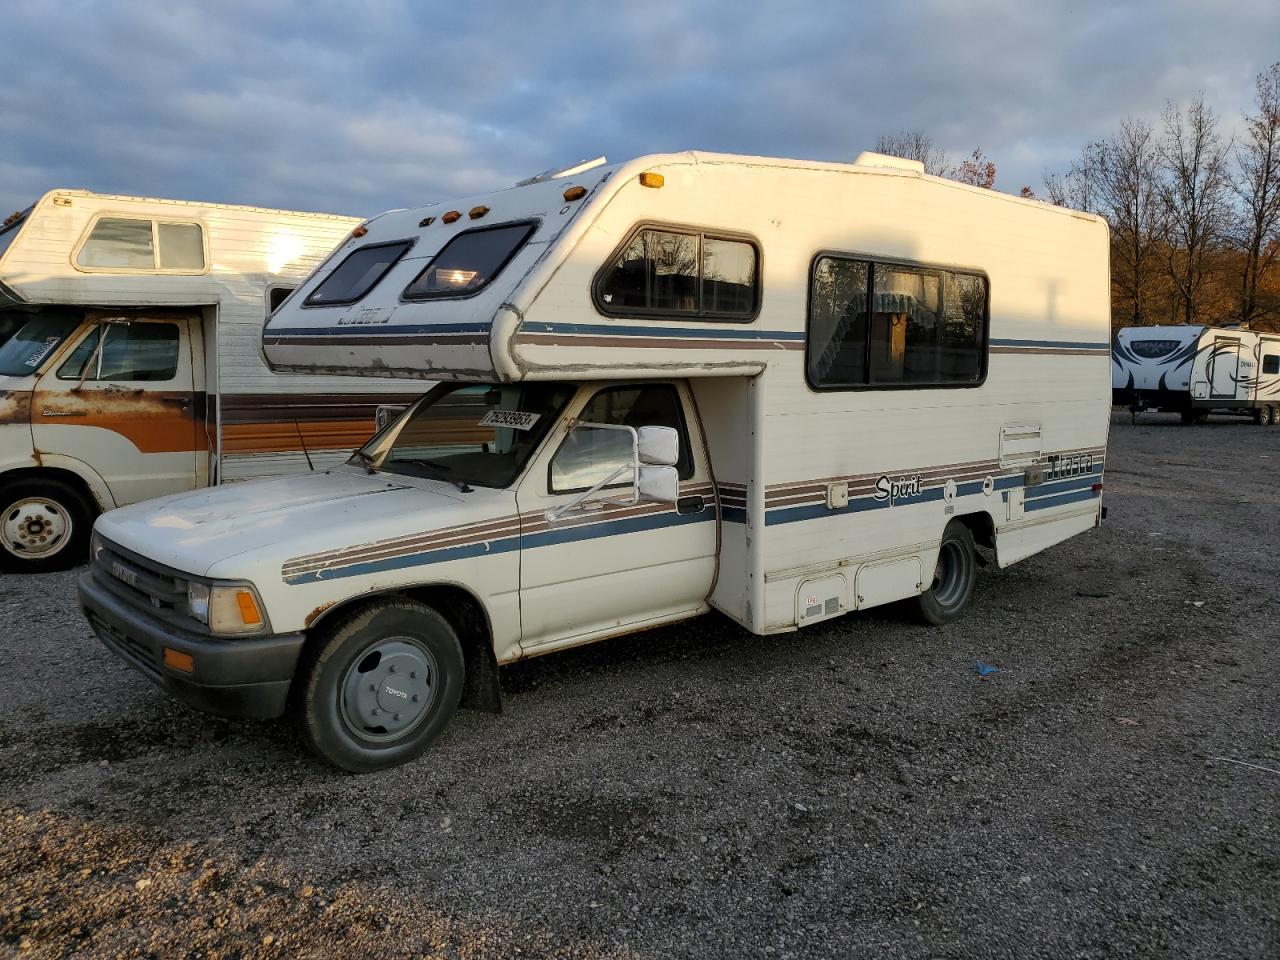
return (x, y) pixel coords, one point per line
(125, 243)
(1271, 364)
(136, 351)
(672, 273)
(890, 325)
(358, 273)
(470, 261)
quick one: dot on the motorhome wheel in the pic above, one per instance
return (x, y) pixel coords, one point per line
(45, 526)
(379, 685)
(953, 577)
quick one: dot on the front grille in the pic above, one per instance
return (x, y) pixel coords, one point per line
(135, 651)
(156, 587)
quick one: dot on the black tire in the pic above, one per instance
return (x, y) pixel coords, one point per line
(1267, 416)
(45, 525)
(344, 681)
(953, 577)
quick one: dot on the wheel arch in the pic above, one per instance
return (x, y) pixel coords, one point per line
(73, 472)
(981, 525)
(465, 613)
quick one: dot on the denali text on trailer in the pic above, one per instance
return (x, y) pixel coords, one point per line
(131, 362)
(783, 390)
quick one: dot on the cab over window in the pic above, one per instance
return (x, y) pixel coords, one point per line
(887, 325)
(469, 261)
(137, 351)
(589, 456)
(124, 243)
(671, 273)
(357, 274)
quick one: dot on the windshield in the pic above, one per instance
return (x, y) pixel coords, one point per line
(22, 354)
(463, 434)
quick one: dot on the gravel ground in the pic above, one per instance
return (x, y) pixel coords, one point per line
(852, 790)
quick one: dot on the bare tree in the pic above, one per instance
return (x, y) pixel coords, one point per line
(914, 145)
(1194, 192)
(1077, 188)
(1129, 190)
(1258, 188)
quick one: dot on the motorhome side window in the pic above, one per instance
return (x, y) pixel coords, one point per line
(124, 243)
(469, 261)
(663, 272)
(135, 351)
(886, 325)
(1271, 364)
(357, 274)
(585, 458)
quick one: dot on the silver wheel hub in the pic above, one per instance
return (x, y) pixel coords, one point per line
(34, 528)
(389, 689)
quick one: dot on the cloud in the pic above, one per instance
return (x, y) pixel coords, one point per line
(357, 109)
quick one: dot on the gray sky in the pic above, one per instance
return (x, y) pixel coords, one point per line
(356, 108)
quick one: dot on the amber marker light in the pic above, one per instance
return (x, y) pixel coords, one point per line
(426, 221)
(451, 217)
(477, 212)
(575, 193)
(248, 608)
(649, 179)
(359, 231)
(177, 660)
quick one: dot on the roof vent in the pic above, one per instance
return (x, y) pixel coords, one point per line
(869, 159)
(556, 173)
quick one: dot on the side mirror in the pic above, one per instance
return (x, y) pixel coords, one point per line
(658, 484)
(659, 446)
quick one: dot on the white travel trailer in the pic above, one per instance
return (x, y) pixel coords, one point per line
(132, 366)
(1196, 370)
(778, 389)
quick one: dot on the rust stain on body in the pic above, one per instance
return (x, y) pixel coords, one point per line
(315, 614)
(15, 406)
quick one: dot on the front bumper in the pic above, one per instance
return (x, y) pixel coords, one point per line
(234, 678)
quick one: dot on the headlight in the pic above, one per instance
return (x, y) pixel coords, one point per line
(229, 609)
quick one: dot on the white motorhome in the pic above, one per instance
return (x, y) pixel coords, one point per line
(778, 389)
(1197, 370)
(132, 365)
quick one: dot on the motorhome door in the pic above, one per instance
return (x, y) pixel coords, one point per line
(1224, 368)
(124, 401)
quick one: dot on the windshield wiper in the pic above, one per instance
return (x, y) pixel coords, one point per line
(364, 458)
(442, 467)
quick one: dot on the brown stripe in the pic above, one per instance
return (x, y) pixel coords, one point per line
(570, 340)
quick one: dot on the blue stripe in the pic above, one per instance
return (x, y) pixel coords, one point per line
(734, 514)
(1059, 486)
(1064, 344)
(379, 329)
(546, 538)
(731, 332)
(1045, 502)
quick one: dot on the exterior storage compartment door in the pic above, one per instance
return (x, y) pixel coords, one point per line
(1224, 368)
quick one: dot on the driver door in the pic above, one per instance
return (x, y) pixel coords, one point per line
(124, 401)
(613, 568)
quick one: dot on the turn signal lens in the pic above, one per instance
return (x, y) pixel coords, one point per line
(248, 608)
(654, 180)
(230, 609)
(177, 660)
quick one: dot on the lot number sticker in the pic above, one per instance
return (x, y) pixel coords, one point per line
(514, 419)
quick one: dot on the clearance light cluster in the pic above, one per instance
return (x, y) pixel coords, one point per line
(229, 609)
(650, 179)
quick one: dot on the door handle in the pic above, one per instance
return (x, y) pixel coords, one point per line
(690, 504)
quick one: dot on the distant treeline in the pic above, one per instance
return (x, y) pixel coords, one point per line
(1194, 214)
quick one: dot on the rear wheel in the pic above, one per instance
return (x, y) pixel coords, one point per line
(953, 577)
(380, 685)
(45, 525)
(1266, 416)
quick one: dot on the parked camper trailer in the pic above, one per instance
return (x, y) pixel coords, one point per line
(133, 367)
(777, 389)
(1196, 370)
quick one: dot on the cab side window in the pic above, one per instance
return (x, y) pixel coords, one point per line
(137, 351)
(586, 457)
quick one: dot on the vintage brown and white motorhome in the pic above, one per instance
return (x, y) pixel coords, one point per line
(778, 389)
(131, 362)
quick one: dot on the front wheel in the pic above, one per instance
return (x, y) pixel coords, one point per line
(953, 577)
(380, 685)
(1266, 416)
(45, 525)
